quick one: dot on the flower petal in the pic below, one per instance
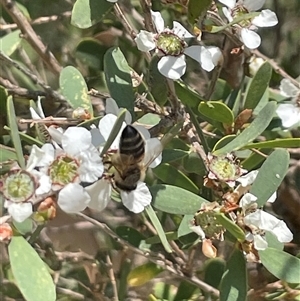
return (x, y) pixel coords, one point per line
(36, 155)
(44, 185)
(20, 211)
(198, 230)
(106, 124)
(266, 18)
(180, 31)
(145, 41)
(76, 140)
(136, 200)
(288, 89)
(250, 38)
(289, 114)
(247, 200)
(158, 21)
(201, 55)
(216, 54)
(172, 67)
(227, 14)
(91, 166)
(153, 149)
(100, 193)
(228, 3)
(73, 198)
(254, 5)
(111, 107)
(259, 242)
(248, 179)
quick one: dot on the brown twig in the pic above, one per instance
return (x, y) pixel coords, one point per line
(276, 68)
(31, 36)
(38, 21)
(32, 76)
(112, 278)
(158, 259)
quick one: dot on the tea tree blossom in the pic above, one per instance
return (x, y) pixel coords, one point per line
(171, 46)
(21, 188)
(135, 200)
(76, 161)
(259, 221)
(289, 113)
(246, 28)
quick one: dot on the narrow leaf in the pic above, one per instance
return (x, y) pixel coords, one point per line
(216, 110)
(143, 273)
(234, 281)
(30, 272)
(285, 143)
(197, 8)
(257, 86)
(158, 227)
(171, 175)
(118, 79)
(259, 124)
(10, 42)
(230, 226)
(74, 89)
(12, 121)
(270, 175)
(175, 200)
(282, 265)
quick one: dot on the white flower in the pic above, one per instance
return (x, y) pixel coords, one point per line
(266, 18)
(135, 200)
(76, 161)
(289, 113)
(259, 221)
(19, 202)
(171, 46)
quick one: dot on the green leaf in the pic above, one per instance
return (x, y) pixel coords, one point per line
(118, 79)
(30, 272)
(91, 53)
(114, 132)
(175, 200)
(143, 273)
(230, 226)
(170, 155)
(259, 124)
(185, 225)
(187, 95)
(197, 8)
(12, 121)
(157, 83)
(24, 227)
(273, 241)
(213, 271)
(171, 175)
(86, 13)
(257, 86)
(131, 235)
(255, 159)
(222, 142)
(10, 42)
(74, 89)
(216, 110)
(285, 143)
(185, 291)
(234, 281)
(194, 163)
(221, 91)
(282, 265)
(7, 153)
(270, 175)
(157, 225)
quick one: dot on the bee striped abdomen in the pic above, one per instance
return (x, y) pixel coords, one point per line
(132, 143)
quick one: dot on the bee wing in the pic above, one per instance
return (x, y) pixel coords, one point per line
(153, 149)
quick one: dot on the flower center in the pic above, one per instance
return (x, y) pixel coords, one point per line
(64, 170)
(170, 44)
(19, 186)
(239, 11)
(208, 222)
(223, 168)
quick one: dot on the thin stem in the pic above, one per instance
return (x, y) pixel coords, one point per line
(198, 129)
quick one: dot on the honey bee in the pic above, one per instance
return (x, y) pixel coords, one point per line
(131, 163)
